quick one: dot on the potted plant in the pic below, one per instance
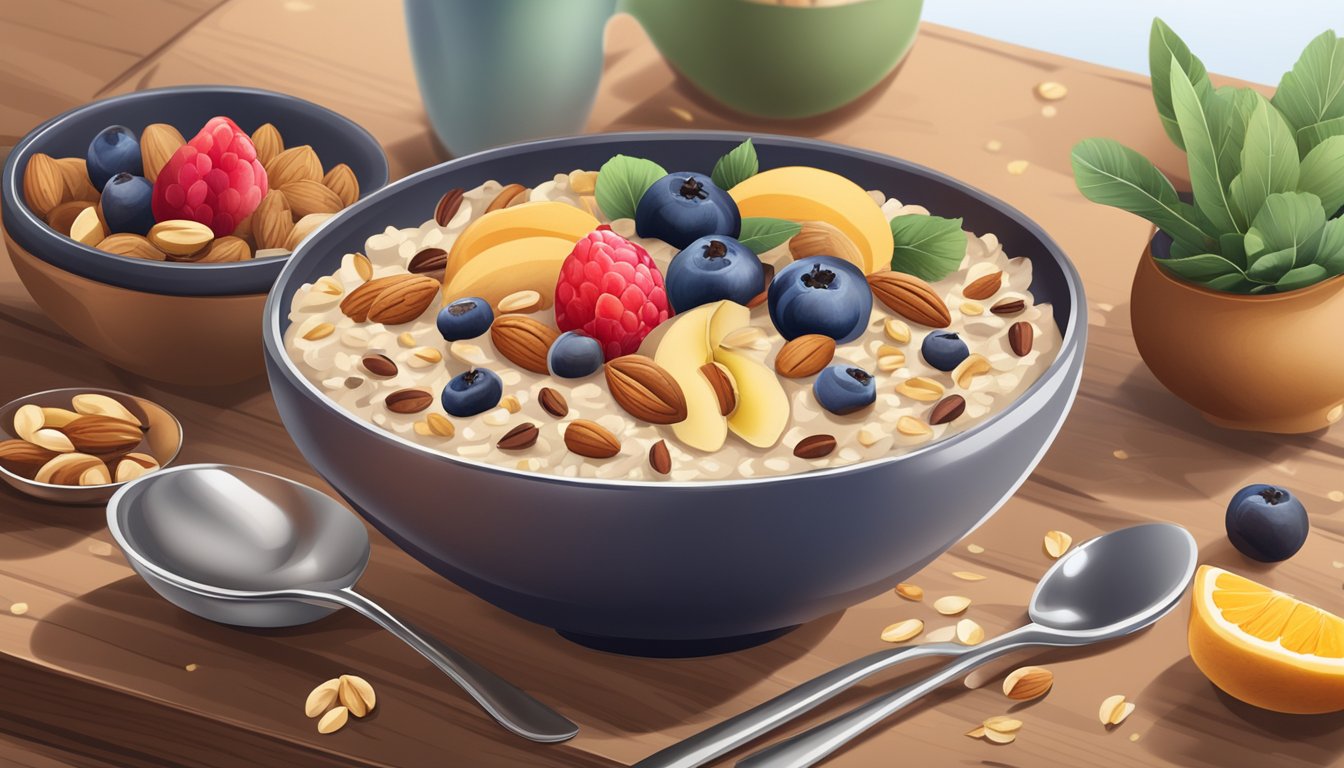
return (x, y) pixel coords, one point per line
(1237, 305)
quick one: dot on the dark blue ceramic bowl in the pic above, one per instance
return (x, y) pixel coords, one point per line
(665, 568)
(187, 108)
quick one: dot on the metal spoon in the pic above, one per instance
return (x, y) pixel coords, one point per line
(1106, 588)
(252, 549)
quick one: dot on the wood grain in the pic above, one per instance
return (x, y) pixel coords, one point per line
(98, 665)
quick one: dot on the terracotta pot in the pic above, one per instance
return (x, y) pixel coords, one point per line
(1269, 363)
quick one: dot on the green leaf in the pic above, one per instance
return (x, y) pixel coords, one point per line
(1330, 250)
(1270, 267)
(1312, 135)
(1165, 47)
(1209, 177)
(736, 166)
(1110, 173)
(928, 247)
(760, 233)
(1233, 248)
(1181, 250)
(1300, 277)
(1201, 268)
(1268, 163)
(1314, 90)
(1232, 283)
(1323, 173)
(621, 181)
(1288, 221)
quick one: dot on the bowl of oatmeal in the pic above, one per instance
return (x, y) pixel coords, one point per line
(674, 413)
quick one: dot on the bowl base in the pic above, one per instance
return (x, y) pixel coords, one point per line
(673, 649)
(1293, 425)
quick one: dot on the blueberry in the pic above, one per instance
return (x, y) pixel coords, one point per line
(712, 268)
(114, 150)
(476, 391)
(820, 294)
(574, 355)
(683, 207)
(944, 350)
(465, 319)
(126, 204)
(844, 388)
(1266, 523)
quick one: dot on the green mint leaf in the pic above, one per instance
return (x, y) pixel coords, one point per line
(1314, 90)
(1232, 246)
(1268, 163)
(760, 233)
(1308, 138)
(1110, 173)
(1199, 121)
(1201, 268)
(1323, 173)
(1270, 267)
(621, 181)
(735, 167)
(1300, 277)
(1164, 48)
(928, 247)
(1330, 250)
(1231, 283)
(1288, 221)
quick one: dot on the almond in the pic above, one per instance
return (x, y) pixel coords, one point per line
(553, 402)
(448, 206)
(983, 287)
(23, 458)
(180, 237)
(645, 390)
(158, 142)
(404, 301)
(379, 365)
(75, 171)
(1020, 337)
(430, 261)
(519, 438)
(67, 468)
(948, 409)
(272, 221)
(722, 383)
(357, 695)
(522, 341)
(94, 404)
(408, 401)
(356, 306)
(62, 217)
(910, 591)
(102, 435)
(294, 164)
(819, 238)
(303, 228)
(509, 195)
(268, 143)
(1026, 683)
(660, 459)
(805, 356)
(911, 298)
(43, 184)
(225, 249)
(341, 180)
(306, 196)
(134, 465)
(87, 227)
(814, 447)
(128, 244)
(95, 475)
(590, 439)
(322, 697)
(334, 720)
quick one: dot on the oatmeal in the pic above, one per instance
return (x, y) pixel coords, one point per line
(710, 389)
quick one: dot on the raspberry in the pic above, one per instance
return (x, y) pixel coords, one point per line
(215, 179)
(610, 290)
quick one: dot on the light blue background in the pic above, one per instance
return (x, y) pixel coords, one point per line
(1256, 40)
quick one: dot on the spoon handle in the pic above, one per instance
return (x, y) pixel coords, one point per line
(716, 740)
(512, 707)
(811, 746)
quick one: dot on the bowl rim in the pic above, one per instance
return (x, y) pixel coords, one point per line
(1071, 338)
(54, 488)
(11, 183)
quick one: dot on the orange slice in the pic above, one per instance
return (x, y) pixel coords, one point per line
(1264, 647)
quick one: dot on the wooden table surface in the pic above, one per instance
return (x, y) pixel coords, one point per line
(100, 671)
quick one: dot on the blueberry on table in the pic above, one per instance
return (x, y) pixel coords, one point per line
(683, 207)
(465, 319)
(1267, 523)
(820, 294)
(713, 268)
(475, 391)
(574, 355)
(842, 388)
(944, 350)
(128, 204)
(114, 150)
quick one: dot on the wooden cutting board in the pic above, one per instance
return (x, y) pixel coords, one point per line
(99, 671)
